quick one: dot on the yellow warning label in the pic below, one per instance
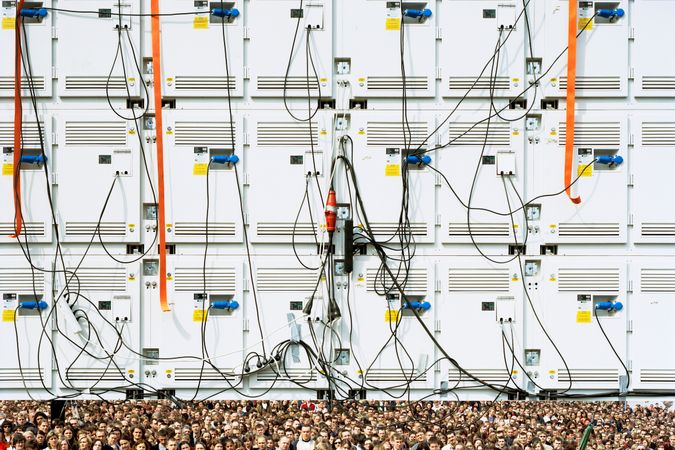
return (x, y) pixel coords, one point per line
(515, 132)
(8, 315)
(323, 132)
(132, 131)
(391, 315)
(392, 170)
(361, 80)
(198, 315)
(583, 317)
(361, 279)
(323, 80)
(169, 131)
(8, 23)
(514, 279)
(200, 22)
(7, 169)
(552, 372)
(583, 21)
(552, 279)
(361, 131)
(553, 226)
(169, 277)
(392, 24)
(588, 172)
(200, 169)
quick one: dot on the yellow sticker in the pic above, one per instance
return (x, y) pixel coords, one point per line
(323, 80)
(169, 131)
(514, 372)
(515, 132)
(200, 23)
(392, 170)
(391, 315)
(361, 80)
(131, 278)
(132, 131)
(515, 80)
(583, 317)
(169, 277)
(8, 169)
(361, 131)
(552, 372)
(392, 24)
(515, 226)
(553, 226)
(585, 20)
(553, 133)
(8, 315)
(200, 169)
(585, 173)
(514, 279)
(361, 279)
(323, 132)
(552, 279)
(198, 315)
(8, 23)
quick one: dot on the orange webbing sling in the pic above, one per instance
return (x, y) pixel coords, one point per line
(157, 81)
(571, 92)
(16, 180)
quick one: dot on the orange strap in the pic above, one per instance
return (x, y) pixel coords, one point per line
(157, 81)
(571, 92)
(18, 221)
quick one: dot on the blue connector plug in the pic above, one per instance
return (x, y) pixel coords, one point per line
(424, 306)
(225, 304)
(225, 159)
(224, 12)
(33, 159)
(32, 304)
(417, 13)
(612, 160)
(611, 13)
(609, 306)
(34, 12)
(415, 159)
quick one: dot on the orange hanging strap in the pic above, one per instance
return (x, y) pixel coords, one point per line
(571, 92)
(157, 81)
(16, 181)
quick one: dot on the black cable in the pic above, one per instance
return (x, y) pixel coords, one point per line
(602, 329)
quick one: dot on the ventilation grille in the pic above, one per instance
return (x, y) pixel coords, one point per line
(495, 376)
(29, 134)
(652, 83)
(396, 375)
(95, 83)
(479, 229)
(270, 83)
(204, 134)
(287, 229)
(93, 375)
(582, 279)
(194, 375)
(657, 375)
(465, 83)
(657, 280)
(659, 134)
(478, 280)
(28, 229)
(588, 230)
(96, 133)
(199, 229)
(390, 134)
(200, 83)
(596, 83)
(21, 280)
(218, 279)
(98, 279)
(415, 283)
(297, 375)
(89, 228)
(285, 134)
(470, 133)
(7, 83)
(390, 229)
(27, 375)
(396, 83)
(593, 134)
(588, 376)
(652, 229)
(282, 279)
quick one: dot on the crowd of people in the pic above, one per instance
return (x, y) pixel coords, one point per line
(346, 425)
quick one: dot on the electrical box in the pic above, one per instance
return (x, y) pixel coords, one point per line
(297, 57)
(102, 152)
(564, 295)
(108, 66)
(295, 154)
(380, 74)
(654, 75)
(194, 65)
(467, 64)
(385, 144)
(34, 200)
(195, 137)
(601, 216)
(602, 50)
(104, 297)
(480, 151)
(38, 34)
(18, 283)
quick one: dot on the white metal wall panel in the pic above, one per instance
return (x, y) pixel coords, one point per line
(96, 67)
(654, 76)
